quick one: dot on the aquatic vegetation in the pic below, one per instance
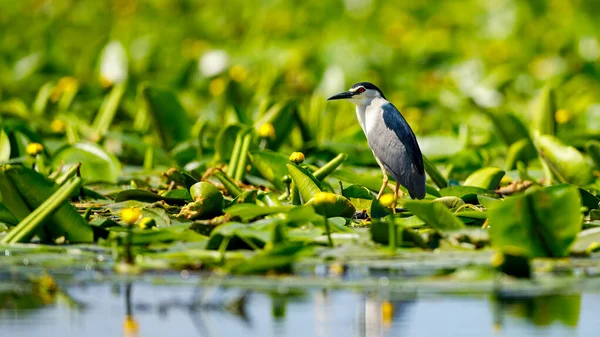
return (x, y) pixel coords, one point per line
(169, 152)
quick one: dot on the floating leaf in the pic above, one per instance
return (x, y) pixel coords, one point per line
(247, 212)
(543, 223)
(238, 235)
(467, 193)
(434, 214)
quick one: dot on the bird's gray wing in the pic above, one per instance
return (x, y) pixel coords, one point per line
(396, 148)
(394, 121)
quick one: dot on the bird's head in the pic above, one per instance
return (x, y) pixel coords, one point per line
(360, 93)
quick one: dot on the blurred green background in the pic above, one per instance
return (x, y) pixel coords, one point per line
(438, 61)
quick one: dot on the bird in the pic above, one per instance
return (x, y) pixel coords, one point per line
(389, 136)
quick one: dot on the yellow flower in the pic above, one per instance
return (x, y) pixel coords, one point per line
(562, 116)
(217, 86)
(387, 312)
(33, 149)
(387, 199)
(324, 198)
(267, 131)
(297, 157)
(57, 126)
(131, 215)
(238, 73)
(65, 84)
(130, 326)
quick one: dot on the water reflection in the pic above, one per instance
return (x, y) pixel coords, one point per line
(143, 309)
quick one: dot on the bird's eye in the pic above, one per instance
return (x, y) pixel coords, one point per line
(361, 90)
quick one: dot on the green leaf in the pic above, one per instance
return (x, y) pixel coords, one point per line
(305, 181)
(239, 235)
(450, 201)
(589, 200)
(168, 115)
(434, 173)
(510, 128)
(593, 149)
(225, 142)
(434, 214)
(281, 116)
(543, 110)
(566, 163)
(467, 193)
(334, 207)
(6, 216)
(543, 223)
(279, 258)
(4, 146)
(372, 182)
(248, 212)
(271, 165)
(518, 151)
(24, 190)
(108, 110)
(487, 178)
(57, 202)
(98, 165)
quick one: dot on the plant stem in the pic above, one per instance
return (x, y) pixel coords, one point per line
(27, 227)
(328, 232)
(391, 234)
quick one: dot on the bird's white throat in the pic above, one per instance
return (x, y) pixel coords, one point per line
(361, 111)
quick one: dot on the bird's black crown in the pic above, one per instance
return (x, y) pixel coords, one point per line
(368, 85)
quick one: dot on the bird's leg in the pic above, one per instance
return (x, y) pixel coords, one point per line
(396, 195)
(385, 182)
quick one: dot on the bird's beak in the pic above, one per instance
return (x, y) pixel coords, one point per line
(342, 95)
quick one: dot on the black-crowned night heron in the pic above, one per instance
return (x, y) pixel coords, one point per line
(391, 139)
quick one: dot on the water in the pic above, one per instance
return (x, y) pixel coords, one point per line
(101, 309)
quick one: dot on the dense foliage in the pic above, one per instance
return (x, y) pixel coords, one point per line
(169, 125)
